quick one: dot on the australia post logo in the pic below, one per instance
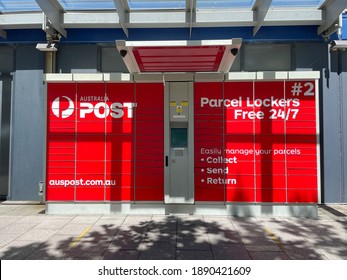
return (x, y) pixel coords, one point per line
(63, 107)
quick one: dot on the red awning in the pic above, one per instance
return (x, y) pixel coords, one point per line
(179, 56)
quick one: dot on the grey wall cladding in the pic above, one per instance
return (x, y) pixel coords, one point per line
(27, 139)
(77, 59)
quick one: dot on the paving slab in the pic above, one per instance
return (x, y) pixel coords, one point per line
(194, 255)
(223, 236)
(17, 228)
(53, 224)
(6, 238)
(230, 252)
(18, 250)
(73, 229)
(157, 251)
(200, 243)
(37, 235)
(268, 255)
(85, 219)
(299, 253)
(5, 221)
(118, 254)
(160, 236)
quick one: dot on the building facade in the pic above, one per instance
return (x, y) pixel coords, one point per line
(180, 107)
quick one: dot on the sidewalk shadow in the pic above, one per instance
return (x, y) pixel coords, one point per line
(192, 237)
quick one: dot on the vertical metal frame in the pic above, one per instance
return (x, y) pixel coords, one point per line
(45, 107)
(319, 178)
(166, 162)
(191, 142)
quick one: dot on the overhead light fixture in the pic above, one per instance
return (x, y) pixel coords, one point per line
(47, 47)
(338, 45)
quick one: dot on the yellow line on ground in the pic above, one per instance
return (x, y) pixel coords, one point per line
(274, 238)
(78, 238)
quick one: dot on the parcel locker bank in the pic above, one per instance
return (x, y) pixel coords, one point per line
(166, 138)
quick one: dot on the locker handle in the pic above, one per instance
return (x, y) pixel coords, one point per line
(166, 161)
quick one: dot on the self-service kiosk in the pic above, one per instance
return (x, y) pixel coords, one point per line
(179, 143)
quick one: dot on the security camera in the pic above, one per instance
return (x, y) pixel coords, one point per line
(234, 51)
(338, 45)
(46, 47)
(123, 53)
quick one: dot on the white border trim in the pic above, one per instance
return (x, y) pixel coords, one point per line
(182, 76)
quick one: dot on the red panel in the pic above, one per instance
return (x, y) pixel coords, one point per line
(240, 195)
(303, 195)
(62, 168)
(90, 194)
(60, 165)
(90, 141)
(270, 181)
(270, 167)
(60, 194)
(239, 127)
(87, 167)
(119, 142)
(271, 195)
(178, 59)
(209, 193)
(120, 167)
(236, 101)
(60, 127)
(269, 127)
(120, 194)
(209, 151)
(302, 181)
(120, 100)
(90, 147)
(154, 179)
(149, 142)
(150, 194)
(302, 139)
(96, 127)
(242, 167)
(119, 147)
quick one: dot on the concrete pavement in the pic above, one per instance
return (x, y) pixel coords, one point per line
(27, 233)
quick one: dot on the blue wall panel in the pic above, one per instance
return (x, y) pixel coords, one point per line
(266, 33)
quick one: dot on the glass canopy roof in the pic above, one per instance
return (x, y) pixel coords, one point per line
(7, 6)
(131, 14)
